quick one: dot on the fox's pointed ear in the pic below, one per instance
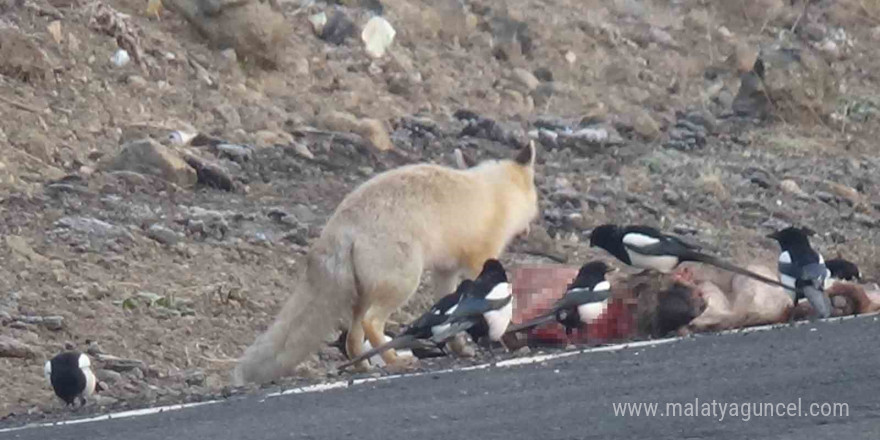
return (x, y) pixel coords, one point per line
(526, 155)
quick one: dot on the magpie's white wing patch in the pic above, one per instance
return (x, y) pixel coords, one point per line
(602, 286)
(500, 291)
(637, 240)
(47, 369)
(84, 361)
(785, 258)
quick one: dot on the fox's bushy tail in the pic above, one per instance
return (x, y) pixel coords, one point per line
(323, 298)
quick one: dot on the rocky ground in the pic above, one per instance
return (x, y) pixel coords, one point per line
(165, 260)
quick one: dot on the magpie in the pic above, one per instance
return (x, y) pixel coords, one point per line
(485, 310)
(71, 377)
(802, 269)
(840, 269)
(583, 301)
(417, 335)
(480, 307)
(647, 248)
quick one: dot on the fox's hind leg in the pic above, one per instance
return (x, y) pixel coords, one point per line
(383, 305)
(388, 274)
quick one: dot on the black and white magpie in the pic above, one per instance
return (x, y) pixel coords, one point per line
(485, 309)
(417, 335)
(841, 269)
(70, 375)
(647, 248)
(802, 269)
(583, 301)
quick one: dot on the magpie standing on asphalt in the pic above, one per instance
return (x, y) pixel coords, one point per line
(71, 377)
(584, 300)
(418, 334)
(802, 269)
(647, 248)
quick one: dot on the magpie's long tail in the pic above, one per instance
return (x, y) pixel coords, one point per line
(820, 302)
(708, 259)
(403, 341)
(531, 323)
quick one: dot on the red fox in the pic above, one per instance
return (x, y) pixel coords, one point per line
(373, 250)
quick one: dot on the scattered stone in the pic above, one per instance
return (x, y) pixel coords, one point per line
(372, 130)
(120, 58)
(791, 187)
(12, 348)
(849, 194)
(20, 246)
(526, 78)
(481, 127)
(163, 234)
(511, 38)
(522, 351)
(137, 81)
(865, 220)
(53, 323)
(54, 29)
(210, 174)
(704, 119)
(254, 29)
(89, 226)
(195, 378)
(662, 37)
(268, 138)
(304, 214)
(646, 126)
(303, 150)
(93, 348)
(570, 57)
(233, 152)
(318, 22)
(21, 57)
(108, 376)
(377, 35)
(146, 156)
(228, 114)
(543, 74)
(121, 365)
(338, 28)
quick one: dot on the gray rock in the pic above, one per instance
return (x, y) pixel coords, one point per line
(50, 322)
(195, 378)
(146, 156)
(121, 364)
(865, 220)
(229, 115)
(703, 119)
(304, 214)
(90, 226)
(163, 234)
(338, 28)
(236, 153)
(690, 126)
(108, 376)
(13, 348)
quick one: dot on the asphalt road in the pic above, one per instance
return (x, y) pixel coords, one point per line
(568, 398)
